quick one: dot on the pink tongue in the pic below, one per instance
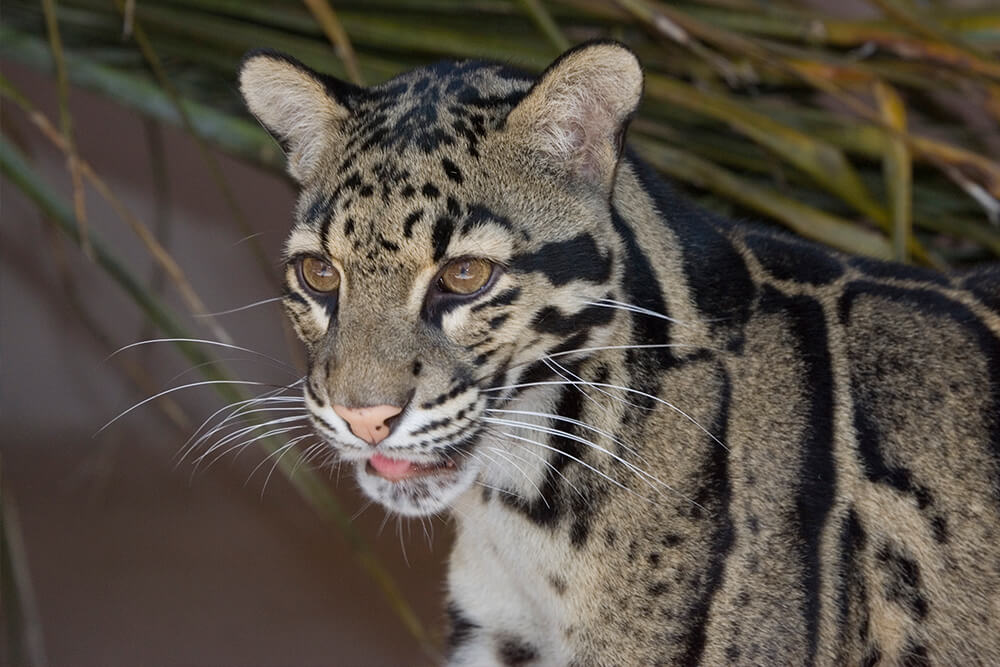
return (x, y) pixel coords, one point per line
(392, 469)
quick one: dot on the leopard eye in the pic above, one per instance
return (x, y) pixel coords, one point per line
(465, 276)
(319, 275)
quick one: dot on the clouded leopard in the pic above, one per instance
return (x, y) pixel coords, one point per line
(664, 437)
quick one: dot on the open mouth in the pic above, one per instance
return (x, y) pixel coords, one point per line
(396, 470)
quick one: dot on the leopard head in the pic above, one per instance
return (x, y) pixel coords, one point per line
(453, 237)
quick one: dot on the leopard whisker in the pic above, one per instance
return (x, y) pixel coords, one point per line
(249, 429)
(632, 308)
(173, 389)
(290, 443)
(642, 474)
(284, 449)
(620, 388)
(240, 446)
(505, 457)
(241, 308)
(200, 341)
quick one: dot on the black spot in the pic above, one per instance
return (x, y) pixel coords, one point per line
(915, 655)
(388, 245)
(408, 191)
(349, 226)
(430, 191)
(788, 259)
(515, 652)
(498, 320)
(940, 529)
(460, 627)
(558, 584)
(417, 367)
(654, 559)
(366, 191)
(452, 171)
(658, 588)
(441, 236)
(902, 581)
(671, 540)
(411, 220)
(818, 473)
(562, 262)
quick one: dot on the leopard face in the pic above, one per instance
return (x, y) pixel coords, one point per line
(444, 258)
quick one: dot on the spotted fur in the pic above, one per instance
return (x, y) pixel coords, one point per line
(677, 439)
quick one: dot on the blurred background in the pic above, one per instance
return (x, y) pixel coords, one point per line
(138, 201)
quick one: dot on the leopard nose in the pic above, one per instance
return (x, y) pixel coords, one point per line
(369, 423)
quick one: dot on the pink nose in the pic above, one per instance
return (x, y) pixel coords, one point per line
(369, 423)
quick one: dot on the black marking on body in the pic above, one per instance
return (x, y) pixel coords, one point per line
(717, 276)
(547, 512)
(430, 191)
(902, 581)
(852, 597)
(558, 584)
(818, 472)
(933, 304)
(643, 289)
(562, 262)
(452, 171)
(460, 629)
(787, 259)
(716, 494)
(515, 652)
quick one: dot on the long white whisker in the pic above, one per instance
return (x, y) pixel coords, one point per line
(247, 307)
(563, 434)
(243, 445)
(249, 429)
(201, 341)
(290, 443)
(575, 422)
(545, 462)
(173, 389)
(283, 450)
(620, 305)
(505, 457)
(620, 388)
(238, 406)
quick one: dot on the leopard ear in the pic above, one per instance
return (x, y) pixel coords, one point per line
(304, 110)
(578, 111)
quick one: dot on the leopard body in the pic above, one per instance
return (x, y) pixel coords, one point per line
(673, 439)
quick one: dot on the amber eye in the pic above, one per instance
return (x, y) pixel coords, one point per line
(465, 276)
(319, 275)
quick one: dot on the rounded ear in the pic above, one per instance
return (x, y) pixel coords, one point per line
(577, 112)
(302, 109)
